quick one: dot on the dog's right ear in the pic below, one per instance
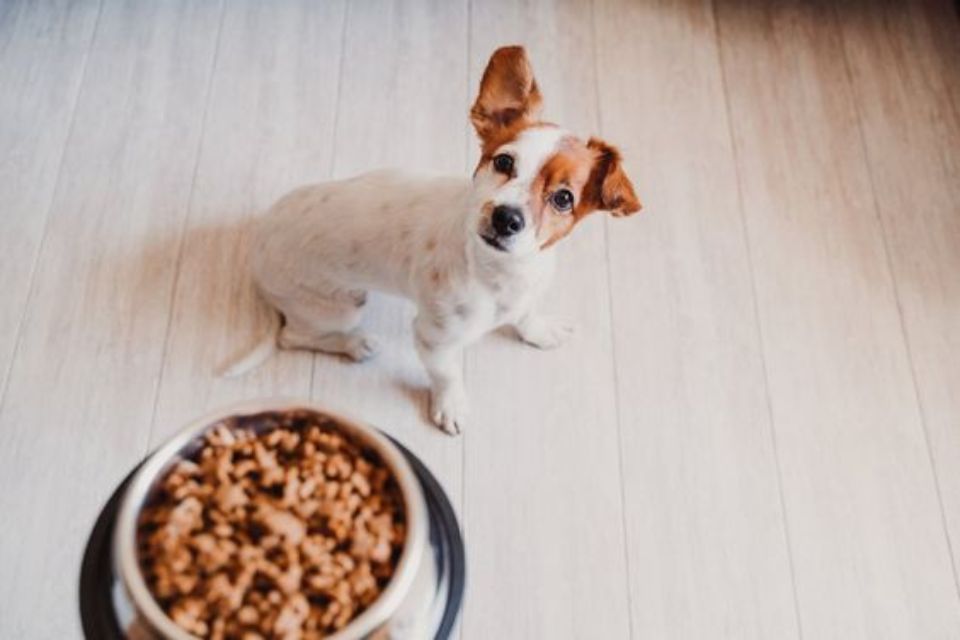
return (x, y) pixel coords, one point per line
(508, 93)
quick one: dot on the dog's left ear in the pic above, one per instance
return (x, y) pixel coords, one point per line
(508, 93)
(609, 188)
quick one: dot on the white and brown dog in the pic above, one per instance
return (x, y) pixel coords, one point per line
(473, 255)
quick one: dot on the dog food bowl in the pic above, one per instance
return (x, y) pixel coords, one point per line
(421, 600)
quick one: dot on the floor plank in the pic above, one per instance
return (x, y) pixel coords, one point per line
(43, 53)
(865, 526)
(707, 546)
(81, 390)
(412, 57)
(542, 482)
(903, 64)
(269, 128)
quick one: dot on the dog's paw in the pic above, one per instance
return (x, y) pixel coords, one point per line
(545, 332)
(360, 347)
(448, 410)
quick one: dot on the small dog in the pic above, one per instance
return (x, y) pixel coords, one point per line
(473, 255)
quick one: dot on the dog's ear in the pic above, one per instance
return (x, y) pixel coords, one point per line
(609, 188)
(508, 93)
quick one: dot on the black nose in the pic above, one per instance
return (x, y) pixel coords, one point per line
(507, 220)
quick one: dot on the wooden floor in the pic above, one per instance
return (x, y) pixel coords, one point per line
(755, 432)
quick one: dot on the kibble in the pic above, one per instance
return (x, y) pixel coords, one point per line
(279, 526)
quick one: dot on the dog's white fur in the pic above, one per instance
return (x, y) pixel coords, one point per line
(321, 248)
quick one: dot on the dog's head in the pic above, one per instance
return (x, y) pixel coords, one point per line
(535, 181)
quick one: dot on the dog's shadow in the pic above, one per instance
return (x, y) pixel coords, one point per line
(199, 281)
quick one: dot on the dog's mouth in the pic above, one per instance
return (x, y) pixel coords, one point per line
(493, 241)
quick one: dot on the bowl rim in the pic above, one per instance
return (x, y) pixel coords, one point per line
(125, 560)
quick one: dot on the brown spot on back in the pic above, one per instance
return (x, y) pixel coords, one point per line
(431, 244)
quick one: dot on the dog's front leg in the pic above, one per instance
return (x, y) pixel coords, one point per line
(443, 359)
(542, 331)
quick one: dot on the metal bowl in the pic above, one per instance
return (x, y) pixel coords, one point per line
(416, 601)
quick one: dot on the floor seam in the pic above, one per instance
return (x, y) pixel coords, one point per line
(331, 168)
(48, 213)
(613, 340)
(184, 225)
(461, 625)
(894, 284)
(771, 421)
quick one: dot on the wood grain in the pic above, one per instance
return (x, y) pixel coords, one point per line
(903, 66)
(81, 390)
(542, 482)
(866, 531)
(43, 54)
(706, 541)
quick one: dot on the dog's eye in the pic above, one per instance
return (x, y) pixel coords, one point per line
(503, 163)
(562, 200)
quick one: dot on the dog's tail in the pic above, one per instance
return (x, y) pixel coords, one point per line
(258, 354)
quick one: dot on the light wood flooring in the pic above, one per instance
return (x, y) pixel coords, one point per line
(755, 432)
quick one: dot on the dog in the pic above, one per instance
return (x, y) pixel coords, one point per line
(472, 254)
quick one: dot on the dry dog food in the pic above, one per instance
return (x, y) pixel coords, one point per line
(279, 526)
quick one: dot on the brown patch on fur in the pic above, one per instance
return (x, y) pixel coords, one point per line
(569, 168)
(435, 276)
(491, 144)
(593, 173)
(431, 244)
(486, 210)
(609, 188)
(509, 100)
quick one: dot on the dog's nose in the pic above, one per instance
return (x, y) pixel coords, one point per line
(507, 220)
